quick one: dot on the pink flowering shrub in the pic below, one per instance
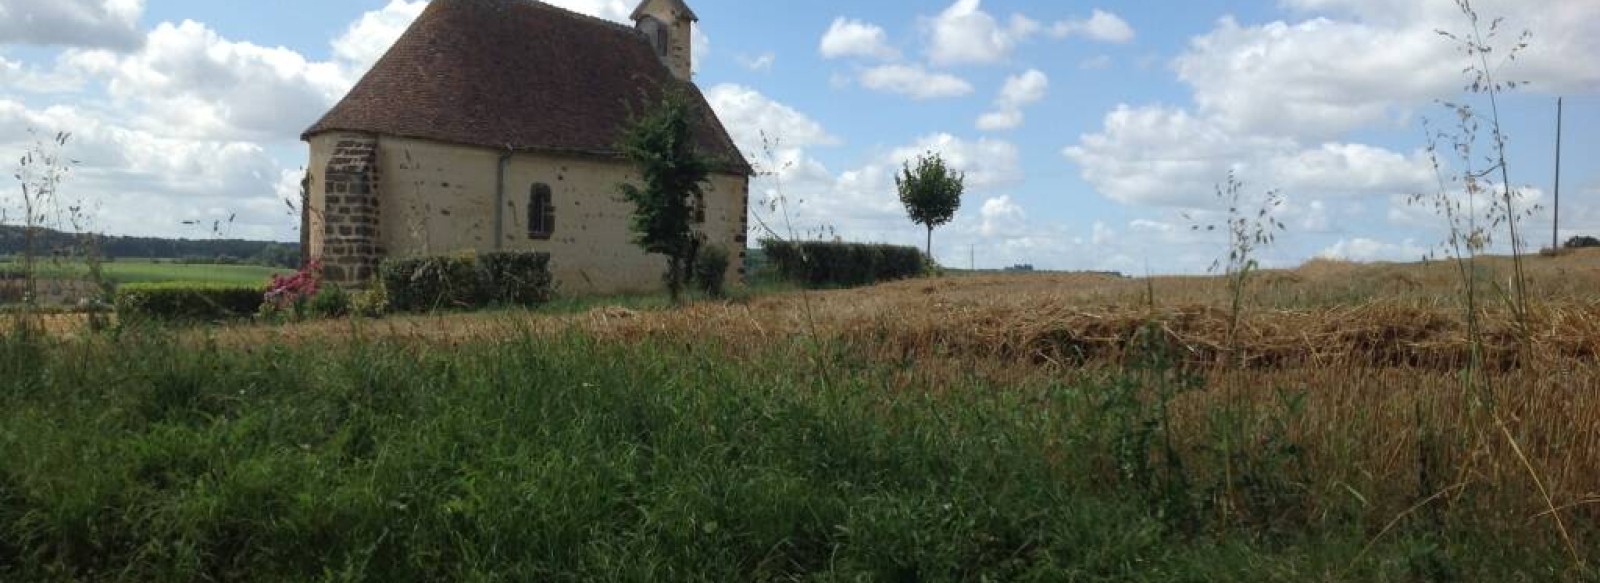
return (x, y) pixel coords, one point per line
(292, 292)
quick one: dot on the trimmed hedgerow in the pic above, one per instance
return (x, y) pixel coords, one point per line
(711, 271)
(467, 281)
(517, 279)
(187, 301)
(432, 283)
(820, 263)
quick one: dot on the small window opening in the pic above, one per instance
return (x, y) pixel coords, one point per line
(656, 31)
(541, 213)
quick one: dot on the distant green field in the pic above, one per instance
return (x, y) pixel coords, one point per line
(147, 271)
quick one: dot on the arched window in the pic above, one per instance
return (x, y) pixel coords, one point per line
(541, 212)
(657, 33)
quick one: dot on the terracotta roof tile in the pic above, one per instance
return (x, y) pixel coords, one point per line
(519, 74)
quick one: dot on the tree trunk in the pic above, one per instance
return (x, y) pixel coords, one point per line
(930, 243)
(674, 279)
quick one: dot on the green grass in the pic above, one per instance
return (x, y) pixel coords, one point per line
(146, 271)
(140, 458)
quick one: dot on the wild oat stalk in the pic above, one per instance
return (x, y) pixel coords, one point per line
(1248, 230)
(39, 173)
(1477, 44)
(1468, 238)
(777, 203)
(80, 214)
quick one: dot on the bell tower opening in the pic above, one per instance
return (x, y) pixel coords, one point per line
(669, 27)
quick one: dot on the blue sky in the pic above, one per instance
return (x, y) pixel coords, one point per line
(1088, 130)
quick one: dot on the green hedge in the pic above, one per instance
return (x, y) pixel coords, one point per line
(188, 301)
(711, 271)
(517, 279)
(430, 283)
(467, 281)
(819, 263)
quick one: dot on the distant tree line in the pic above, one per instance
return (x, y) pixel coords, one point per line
(234, 251)
(1582, 242)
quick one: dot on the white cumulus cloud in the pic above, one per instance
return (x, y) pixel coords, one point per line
(1100, 25)
(1364, 249)
(761, 63)
(1019, 91)
(188, 80)
(1280, 103)
(965, 34)
(987, 162)
(371, 35)
(1169, 157)
(108, 24)
(147, 183)
(1001, 215)
(914, 81)
(854, 38)
(752, 117)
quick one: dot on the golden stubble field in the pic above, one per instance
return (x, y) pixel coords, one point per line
(1321, 315)
(1360, 366)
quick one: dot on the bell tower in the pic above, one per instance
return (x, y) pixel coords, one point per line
(668, 24)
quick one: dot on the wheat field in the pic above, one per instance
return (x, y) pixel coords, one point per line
(1373, 354)
(1351, 428)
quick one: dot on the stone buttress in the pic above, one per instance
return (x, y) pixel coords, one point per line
(351, 249)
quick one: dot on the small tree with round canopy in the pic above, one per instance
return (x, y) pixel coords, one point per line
(931, 192)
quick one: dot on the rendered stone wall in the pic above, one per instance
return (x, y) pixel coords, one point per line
(741, 238)
(441, 199)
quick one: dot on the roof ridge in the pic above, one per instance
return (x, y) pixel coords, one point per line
(522, 73)
(563, 11)
(612, 23)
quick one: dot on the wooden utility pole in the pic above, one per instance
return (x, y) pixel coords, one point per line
(1555, 232)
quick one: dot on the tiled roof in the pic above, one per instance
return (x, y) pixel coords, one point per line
(520, 74)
